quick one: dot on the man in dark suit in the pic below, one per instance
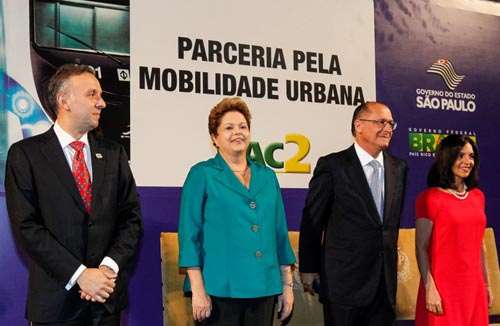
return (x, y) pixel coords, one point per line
(349, 228)
(73, 205)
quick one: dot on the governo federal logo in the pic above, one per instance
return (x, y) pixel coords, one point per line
(444, 68)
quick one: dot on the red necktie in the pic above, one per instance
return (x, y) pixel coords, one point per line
(81, 174)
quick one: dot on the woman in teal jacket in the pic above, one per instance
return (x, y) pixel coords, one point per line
(233, 236)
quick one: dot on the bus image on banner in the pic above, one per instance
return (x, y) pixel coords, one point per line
(95, 33)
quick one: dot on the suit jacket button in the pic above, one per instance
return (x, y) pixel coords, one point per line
(381, 253)
(258, 254)
(255, 228)
(252, 205)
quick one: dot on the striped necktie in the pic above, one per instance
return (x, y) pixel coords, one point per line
(81, 174)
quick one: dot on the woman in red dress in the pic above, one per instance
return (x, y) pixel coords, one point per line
(450, 223)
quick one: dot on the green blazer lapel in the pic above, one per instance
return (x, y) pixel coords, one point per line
(51, 149)
(258, 179)
(98, 157)
(227, 177)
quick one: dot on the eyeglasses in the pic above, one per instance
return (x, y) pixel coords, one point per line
(381, 123)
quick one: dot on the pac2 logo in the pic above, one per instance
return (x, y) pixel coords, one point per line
(294, 164)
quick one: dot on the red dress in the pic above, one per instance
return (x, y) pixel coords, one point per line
(454, 258)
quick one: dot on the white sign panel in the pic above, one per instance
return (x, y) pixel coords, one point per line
(302, 67)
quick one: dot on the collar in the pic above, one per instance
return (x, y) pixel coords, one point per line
(366, 158)
(65, 139)
(221, 163)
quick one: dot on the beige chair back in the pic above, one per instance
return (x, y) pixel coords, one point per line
(176, 308)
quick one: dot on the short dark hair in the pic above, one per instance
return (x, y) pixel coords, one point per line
(57, 82)
(441, 174)
(226, 105)
(360, 109)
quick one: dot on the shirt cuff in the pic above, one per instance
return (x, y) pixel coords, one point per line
(75, 277)
(108, 261)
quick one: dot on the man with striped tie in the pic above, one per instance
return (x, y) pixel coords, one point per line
(73, 206)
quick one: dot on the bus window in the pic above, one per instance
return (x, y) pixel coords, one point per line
(111, 27)
(101, 26)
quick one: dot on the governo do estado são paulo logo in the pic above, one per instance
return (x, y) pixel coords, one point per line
(451, 97)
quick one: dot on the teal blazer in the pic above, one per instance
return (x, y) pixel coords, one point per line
(237, 236)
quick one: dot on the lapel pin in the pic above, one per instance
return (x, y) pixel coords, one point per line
(98, 155)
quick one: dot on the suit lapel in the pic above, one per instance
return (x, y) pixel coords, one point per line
(54, 154)
(98, 157)
(358, 177)
(390, 179)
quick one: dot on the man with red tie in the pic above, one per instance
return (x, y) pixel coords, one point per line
(73, 206)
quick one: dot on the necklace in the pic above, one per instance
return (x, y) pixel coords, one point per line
(458, 194)
(243, 172)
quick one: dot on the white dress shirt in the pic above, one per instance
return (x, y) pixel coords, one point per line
(365, 160)
(65, 140)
